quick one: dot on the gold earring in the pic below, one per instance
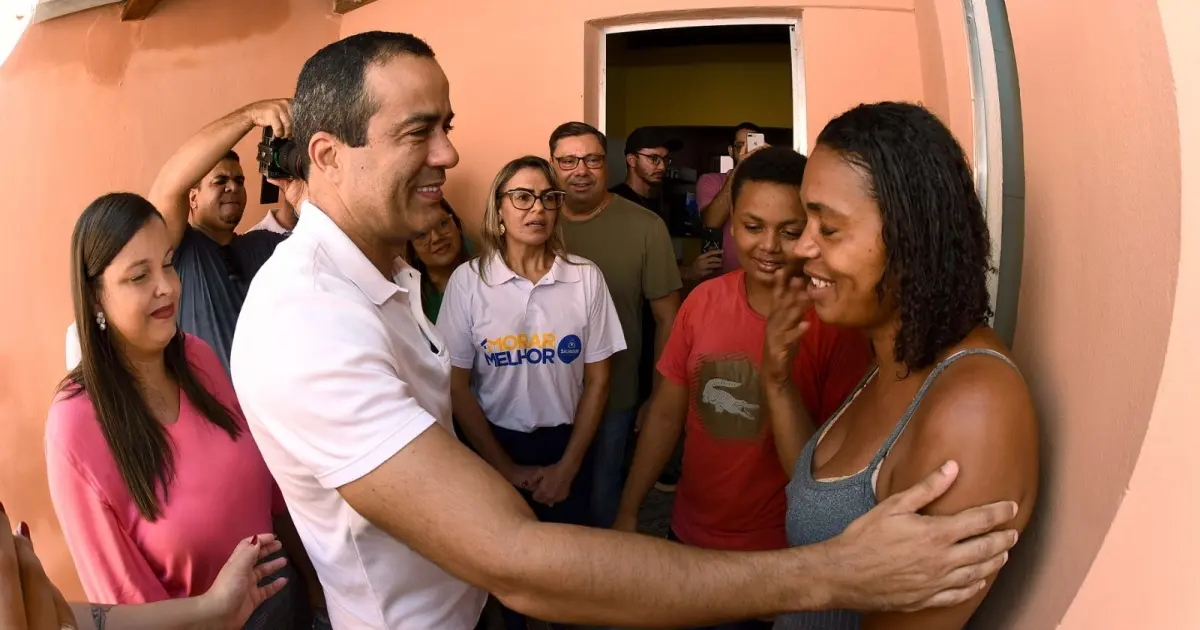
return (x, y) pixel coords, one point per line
(501, 229)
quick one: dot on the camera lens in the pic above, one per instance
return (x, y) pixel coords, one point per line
(290, 159)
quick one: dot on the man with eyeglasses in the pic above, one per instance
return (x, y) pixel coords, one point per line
(633, 250)
(647, 156)
(201, 193)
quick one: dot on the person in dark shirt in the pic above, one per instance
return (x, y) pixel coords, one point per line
(201, 193)
(647, 156)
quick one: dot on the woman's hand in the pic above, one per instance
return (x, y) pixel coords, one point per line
(525, 478)
(28, 599)
(236, 593)
(785, 324)
(555, 486)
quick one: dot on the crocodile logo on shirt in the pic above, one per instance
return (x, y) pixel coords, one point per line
(725, 402)
(726, 396)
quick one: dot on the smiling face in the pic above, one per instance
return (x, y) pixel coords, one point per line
(139, 291)
(585, 185)
(532, 226)
(393, 184)
(842, 245)
(767, 222)
(218, 201)
(441, 247)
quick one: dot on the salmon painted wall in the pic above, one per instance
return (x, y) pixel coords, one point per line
(1102, 225)
(90, 105)
(496, 121)
(1145, 575)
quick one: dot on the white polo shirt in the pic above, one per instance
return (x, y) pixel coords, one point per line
(337, 369)
(527, 343)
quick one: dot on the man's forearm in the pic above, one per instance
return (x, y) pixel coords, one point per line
(191, 613)
(790, 423)
(589, 576)
(655, 445)
(662, 333)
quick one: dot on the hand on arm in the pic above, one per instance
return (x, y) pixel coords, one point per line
(980, 414)
(202, 151)
(667, 411)
(790, 422)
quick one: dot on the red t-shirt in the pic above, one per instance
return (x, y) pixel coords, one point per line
(731, 490)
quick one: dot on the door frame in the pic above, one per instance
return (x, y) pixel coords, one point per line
(799, 95)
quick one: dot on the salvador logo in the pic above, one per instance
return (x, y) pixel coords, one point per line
(569, 348)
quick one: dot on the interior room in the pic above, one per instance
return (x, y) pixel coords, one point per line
(1063, 107)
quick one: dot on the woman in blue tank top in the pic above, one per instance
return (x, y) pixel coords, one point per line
(896, 245)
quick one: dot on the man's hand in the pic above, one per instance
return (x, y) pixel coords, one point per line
(704, 265)
(273, 113)
(294, 190)
(555, 485)
(895, 559)
(785, 324)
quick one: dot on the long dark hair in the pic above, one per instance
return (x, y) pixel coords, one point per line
(934, 231)
(139, 443)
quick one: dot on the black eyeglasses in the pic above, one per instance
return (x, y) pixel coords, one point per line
(571, 162)
(232, 267)
(656, 160)
(523, 198)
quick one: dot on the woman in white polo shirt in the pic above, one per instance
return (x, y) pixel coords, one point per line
(530, 330)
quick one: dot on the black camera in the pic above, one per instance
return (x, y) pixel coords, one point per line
(278, 158)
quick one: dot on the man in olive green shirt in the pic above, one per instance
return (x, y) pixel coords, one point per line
(633, 250)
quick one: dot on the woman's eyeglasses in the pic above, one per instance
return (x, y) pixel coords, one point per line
(523, 198)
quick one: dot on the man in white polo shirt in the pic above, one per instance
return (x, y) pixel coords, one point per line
(345, 385)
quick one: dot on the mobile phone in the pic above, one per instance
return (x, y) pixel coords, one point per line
(710, 240)
(754, 141)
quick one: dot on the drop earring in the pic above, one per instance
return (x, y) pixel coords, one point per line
(501, 229)
(100, 321)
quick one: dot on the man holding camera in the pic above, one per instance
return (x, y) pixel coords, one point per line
(201, 193)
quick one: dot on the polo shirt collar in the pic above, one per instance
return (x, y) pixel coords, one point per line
(348, 258)
(561, 271)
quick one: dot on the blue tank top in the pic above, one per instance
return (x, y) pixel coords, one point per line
(820, 510)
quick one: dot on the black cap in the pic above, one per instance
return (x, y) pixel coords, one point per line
(650, 138)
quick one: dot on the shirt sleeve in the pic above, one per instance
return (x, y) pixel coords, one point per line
(660, 273)
(604, 334)
(454, 319)
(673, 364)
(328, 387)
(110, 565)
(844, 357)
(707, 188)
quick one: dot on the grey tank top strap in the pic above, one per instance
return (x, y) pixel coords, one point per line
(916, 401)
(820, 510)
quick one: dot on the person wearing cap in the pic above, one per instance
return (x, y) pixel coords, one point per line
(647, 155)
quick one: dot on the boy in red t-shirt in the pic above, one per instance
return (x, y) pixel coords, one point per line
(731, 490)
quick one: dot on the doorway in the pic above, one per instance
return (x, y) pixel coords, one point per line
(696, 80)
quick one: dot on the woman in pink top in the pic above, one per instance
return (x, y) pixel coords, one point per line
(153, 472)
